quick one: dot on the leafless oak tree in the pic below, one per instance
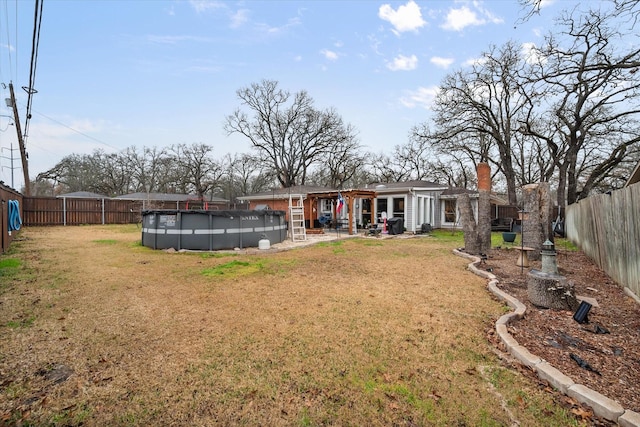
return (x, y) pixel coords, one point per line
(287, 129)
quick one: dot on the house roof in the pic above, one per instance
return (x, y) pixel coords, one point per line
(82, 195)
(454, 192)
(635, 176)
(390, 187)
(284, 193)
(165, 197)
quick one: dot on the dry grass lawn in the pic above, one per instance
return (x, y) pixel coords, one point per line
(98, 330)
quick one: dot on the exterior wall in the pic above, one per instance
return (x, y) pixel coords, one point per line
(419, 207)
(277, 203)
(457, 225)
(410, 218)
(424, 209)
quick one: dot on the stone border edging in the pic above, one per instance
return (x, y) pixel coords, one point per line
(602, 406)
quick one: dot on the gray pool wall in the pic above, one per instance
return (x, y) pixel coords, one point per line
(211, 230)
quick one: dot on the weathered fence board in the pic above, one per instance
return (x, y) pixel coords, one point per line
(73, 211)
(606, 227)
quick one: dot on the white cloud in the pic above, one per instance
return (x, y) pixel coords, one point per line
(546, 3)
(206, 5)
(292, 22)
(403, 63)
(329, 54)
(7, 46)
(406, 18)
(462, 17)
(458, 19)
(441, 62)
(423, 97)
(475, 61)
(531, 54)
(239, 18)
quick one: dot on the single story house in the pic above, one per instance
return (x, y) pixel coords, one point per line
(415, 202)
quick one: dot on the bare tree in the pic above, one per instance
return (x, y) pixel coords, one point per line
(245, 174)
(82, 172)
(385, 168)
(594, 104)
(287, 129)
(478, 111)
(340, 165)
(194, 168)
(627, 10)
(148, 167)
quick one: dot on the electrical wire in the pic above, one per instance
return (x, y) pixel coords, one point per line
(9, 45)
(35, 44)
(77, 131)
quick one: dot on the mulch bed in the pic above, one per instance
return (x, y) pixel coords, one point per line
(554, 335)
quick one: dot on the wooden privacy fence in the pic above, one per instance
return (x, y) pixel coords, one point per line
(6, 195)
(72, 211)
(606, 227)
(78, 211)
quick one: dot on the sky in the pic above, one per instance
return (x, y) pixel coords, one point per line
(149, 73)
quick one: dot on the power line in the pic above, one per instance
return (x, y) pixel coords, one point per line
(9, 44)
(77, 131)
(35, 44)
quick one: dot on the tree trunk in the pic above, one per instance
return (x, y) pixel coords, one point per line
(472, 239)
(484, 206)
(551, 291)
(562, 186)
(536, 226)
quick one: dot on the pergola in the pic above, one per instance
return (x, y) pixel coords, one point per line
(349, 197)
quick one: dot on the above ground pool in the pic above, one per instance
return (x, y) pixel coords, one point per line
(211, 230)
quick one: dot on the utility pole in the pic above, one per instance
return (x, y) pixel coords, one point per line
(11, 150)
(23, 151)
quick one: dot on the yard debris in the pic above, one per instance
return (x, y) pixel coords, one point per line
(583, 363)
(600, 330)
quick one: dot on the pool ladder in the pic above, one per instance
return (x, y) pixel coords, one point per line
(296, 220)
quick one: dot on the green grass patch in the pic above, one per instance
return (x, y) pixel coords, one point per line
(208, 255)
(8, 268)
(8, 263)
(106, 241)
(21, 323)
(564, 244)
(449, 236)
(234, 269)
(329, 244)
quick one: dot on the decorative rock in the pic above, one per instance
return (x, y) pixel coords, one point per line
(602, 406)
(629, 419)
(554, 377)
(525, 356)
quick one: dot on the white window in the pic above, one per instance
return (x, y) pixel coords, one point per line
(325, 205)
(450, 210)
